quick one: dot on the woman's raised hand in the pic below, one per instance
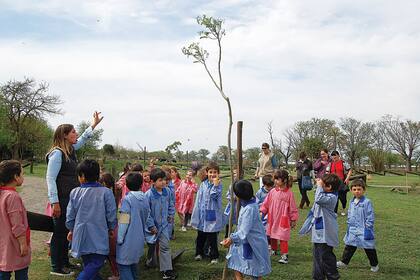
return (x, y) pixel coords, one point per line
(96, 119)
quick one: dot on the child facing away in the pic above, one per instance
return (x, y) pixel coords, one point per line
(248, 253)
(360, 233)
(15, 249)
(108, 181)
(162, 211)
(186, 190)
(91, 219)
(262, 193)
(282, 214)
(322, 222)
(132, 225)
(207, 215)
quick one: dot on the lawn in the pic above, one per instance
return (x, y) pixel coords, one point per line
(398, 245)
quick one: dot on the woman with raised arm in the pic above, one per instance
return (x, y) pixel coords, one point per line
(61, 180)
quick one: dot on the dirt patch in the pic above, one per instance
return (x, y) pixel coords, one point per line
(34, 195)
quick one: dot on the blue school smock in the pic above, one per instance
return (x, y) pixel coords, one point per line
(162, 206)
(130, 239)
(91, 213)
(260, 196)
(226, 213)
(360, 221)
(322, 220)
(207, 214)
(249, 252)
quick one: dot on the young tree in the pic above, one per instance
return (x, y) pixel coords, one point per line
(24, 100)
(173, 148)
(214, 31)
(402, 136)
(91, 146)
(203, 153)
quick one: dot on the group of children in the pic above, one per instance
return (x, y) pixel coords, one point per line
(148, 201)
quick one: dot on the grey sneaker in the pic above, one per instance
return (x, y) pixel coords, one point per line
(284, 259)
(198, 258)
(62, 272)
(340, 264)
(374, 268)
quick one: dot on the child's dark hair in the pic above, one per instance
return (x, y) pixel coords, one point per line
(137, 167)
(243, 190)
(8, 170)
(332, 181)
(267, 180)
(127, 167)
(133, 181)
(358, 183)
(283, 175)
(302, 155)
(173, 168)
(156, 174)
(107, 180)
(88, 168)
(213, 165)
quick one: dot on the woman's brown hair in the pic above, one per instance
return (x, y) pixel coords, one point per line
(59, 141)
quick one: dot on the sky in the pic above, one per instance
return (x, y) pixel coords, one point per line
(283, 61)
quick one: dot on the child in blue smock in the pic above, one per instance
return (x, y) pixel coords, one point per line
(91, 218)
(248, 253)
(261, 194)
(207, 216)
(322, 222)
(162, 211)
(132, 221)
(360, 233)
(226, 213)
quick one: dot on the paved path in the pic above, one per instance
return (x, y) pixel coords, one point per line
(34, 195)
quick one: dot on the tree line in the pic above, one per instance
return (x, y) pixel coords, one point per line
(391, 140)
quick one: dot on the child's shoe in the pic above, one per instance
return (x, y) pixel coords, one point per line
(374, 268)
(169, 274)
(214, 261)
(198, 258)
(284, 259)
(183, 228)
(189, 224)
(113, 278)
(340, 264)
(62, 272)
(343, 213)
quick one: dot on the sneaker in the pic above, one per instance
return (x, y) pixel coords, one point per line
(169, 274)
(71, 266)
(113, 278)
(374, 268)
(284, 259)
(198, 258)
(214, 261)
(189, 224)
(62, 272)
(183, 228)
(343, 213)
(340, 264)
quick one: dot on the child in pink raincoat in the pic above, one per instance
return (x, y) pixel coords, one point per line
(147, 184)
(282, 214)
(186, 192)
(174, 185)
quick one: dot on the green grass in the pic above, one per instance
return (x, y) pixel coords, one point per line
(398, 245)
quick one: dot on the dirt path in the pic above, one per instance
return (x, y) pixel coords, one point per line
(34, 195)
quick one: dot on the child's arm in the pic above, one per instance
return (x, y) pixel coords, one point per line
(242, 231)
(123, 221)
(216, 190)
(14, 209)
(150, 223)
(322, 198)
(145, 215)
(265, 205)
(370, 216)
(293, 211)
(171, 208)
(111, 210)
(71, 214)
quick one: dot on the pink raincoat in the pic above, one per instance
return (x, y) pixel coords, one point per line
(280, 207)
(145, 186)
(186, 191)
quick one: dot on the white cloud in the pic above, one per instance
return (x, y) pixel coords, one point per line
(284, 61)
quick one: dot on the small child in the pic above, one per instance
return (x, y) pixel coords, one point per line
(248, 253)
(261, 194)
(360, 233)
(280, 206)
(162, 211)
(137, 167)
(15, 248)
(174, 185)
(108, 181)
(132, 226)
(322, 222)
(146, 181)
(91, 219)
(186, 190)
(207, 215)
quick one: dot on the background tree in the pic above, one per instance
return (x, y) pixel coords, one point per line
(173, 148)
(6, 135)
(403, 136)
(91, 146)
(251, 156)
(222, 154)
(25, 100)
(355, 138)
(108, 150)
(37, 137)
(203, 153)
(377, 149)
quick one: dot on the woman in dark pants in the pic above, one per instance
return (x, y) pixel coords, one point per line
(303, 168)
(61, 180)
